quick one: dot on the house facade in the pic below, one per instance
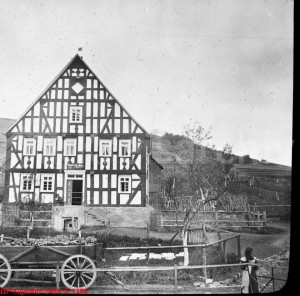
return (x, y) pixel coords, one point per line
(76, 143)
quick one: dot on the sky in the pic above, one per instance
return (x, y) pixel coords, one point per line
(227, 65)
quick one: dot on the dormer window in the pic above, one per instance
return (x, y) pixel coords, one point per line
(29, 146)
(76, 114)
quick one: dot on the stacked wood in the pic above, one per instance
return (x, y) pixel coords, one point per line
(58, 240)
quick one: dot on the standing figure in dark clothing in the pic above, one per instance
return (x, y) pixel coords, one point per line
(249, 279)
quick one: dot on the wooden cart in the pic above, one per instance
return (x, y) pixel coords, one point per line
(77, 262)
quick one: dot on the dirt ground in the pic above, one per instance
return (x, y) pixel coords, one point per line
(264, 245)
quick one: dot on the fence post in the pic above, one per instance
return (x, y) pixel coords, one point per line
(57, 276)
(204, 262)
(175, 275)
(161, 221)
(148, 230)
(239, 245)
(258, 220)
(216, 218)
(265, 218)
(224, 250)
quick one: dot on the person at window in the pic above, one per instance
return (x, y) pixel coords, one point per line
(249, 279)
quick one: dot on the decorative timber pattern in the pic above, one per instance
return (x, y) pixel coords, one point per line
(77, 143)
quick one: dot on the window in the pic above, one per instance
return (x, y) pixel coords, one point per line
(27, 183)
(70, 147)
(29, 146)
(124, 148)
(124, 184)
(49, 146)
(105, 148)
(47, 183)
(75, 114)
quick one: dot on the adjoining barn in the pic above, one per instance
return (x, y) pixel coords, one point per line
(78, 145)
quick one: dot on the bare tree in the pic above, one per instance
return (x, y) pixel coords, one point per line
(206, 173)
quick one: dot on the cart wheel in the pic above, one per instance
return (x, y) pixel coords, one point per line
(78, 279)
(5, 271)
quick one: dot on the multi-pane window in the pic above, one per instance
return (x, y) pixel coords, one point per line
(124, 185)
(27, 183)
(29, 146)
(70, 147)
(124, 148)
(75, 114)
(47, 183)
(49, 146)
(105, 148)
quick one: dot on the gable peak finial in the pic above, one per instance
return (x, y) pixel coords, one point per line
(79, 50)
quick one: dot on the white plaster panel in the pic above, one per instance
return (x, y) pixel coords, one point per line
(60, 180)
(88, 161)
(137, 200)
(95, 110)
(88, 109)
(102, 109)
(36, 125)
(95, 162)
(96, 181)
(11, 197)
(104, 181)
(117, 126)
(104, 197)
(113, 198)
(88, 144)
(39, 161)
(113, 181)
(80, 143)
(59, 161)
(115, 163)
(27, 124)
(88, 197)
(96, 144)
(96, 197)
(124, 198)
(95, 127)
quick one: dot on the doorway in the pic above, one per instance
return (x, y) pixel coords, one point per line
(74, 192)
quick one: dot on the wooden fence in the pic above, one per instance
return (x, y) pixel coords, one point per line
(12, 216)
(249, 219)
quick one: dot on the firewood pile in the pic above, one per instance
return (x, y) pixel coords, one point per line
(58, 240)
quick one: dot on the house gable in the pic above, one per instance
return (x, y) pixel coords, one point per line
(77, 85)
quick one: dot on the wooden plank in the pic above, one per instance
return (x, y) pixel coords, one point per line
(22, 254)
(58, 251)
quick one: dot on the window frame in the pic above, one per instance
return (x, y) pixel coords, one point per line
(31, 189)
(109, 142)
(129, 184)
(26, 140)
(74, 109)
(43, 177)
(54, 146)
(121, 141)
(65, 146)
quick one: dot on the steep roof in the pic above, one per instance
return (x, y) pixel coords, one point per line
(77, 60)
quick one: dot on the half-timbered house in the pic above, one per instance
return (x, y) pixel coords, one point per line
(78, 144)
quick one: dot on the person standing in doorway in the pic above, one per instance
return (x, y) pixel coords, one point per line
(249, 279)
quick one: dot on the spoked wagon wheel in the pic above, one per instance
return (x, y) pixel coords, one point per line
(5, 271)
(76, 279)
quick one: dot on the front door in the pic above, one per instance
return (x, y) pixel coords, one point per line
(74, 192)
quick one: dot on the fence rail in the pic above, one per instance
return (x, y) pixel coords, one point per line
(175, 268)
